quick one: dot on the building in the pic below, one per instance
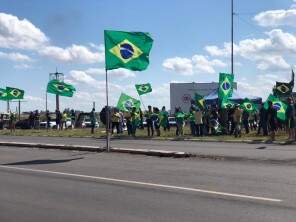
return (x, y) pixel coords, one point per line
(181, 94)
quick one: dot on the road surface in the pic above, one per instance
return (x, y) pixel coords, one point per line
(54, 185)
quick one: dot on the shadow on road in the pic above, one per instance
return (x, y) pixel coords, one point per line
(42, 161)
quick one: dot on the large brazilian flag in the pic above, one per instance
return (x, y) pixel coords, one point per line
(225, 85)
(14, 93)
(278, 105)
(60, 88)
(126, 103)
(129, 50)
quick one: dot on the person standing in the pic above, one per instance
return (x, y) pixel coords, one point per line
(271, 117)
(164, 119)
(198, 117)
(291, 125)
(135, 120)
(156, 120)
(148, 115)
(237, 120)
(192, 122)
(180, 118)
(115, 120)
(47, 115)
(12, 120)
(58, 119)
(245, 118)
(93, 120)
(64, 120)
(73, 118)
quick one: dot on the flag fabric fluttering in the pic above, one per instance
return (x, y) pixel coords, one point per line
(3, 94)
(225, 85)
(126, 103)
(278, 105)
(284, 88)
(143, 88)
(248, 106)
(199, 101)
(226, 103)
(60, 88)
(14, 93)
(129, 50)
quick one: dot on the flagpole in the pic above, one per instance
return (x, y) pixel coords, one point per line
(142, 102)
(107, 115)
(232, 14)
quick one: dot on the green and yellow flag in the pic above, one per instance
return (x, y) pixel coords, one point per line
(126, 103)
(225, 85)
(129, 50)
(226, 103)
(143, 88)
(199, 101)
(14, 93)
(277, 104)
(60, 88)
(3, 94)
(248, 106)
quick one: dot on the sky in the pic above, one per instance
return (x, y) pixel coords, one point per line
(191, 44)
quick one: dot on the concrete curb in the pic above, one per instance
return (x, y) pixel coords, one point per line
(148, 152)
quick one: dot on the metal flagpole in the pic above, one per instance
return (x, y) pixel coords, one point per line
(142, 103)
(107, 115)
(46, 101)
(232, 13)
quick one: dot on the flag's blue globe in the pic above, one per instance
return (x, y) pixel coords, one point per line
(225, 85)
(128, 105)
(277, 106)
(126, 50)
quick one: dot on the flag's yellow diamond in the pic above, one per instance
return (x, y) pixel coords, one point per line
(126, 51)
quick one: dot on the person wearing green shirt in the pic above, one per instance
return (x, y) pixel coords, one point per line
(156, 120)
(135, 120)
(164, 119)
(191, 118)
(180, 118)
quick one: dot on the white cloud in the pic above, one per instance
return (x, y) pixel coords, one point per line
(15, 56)
(74, 53)
(117, 73)
(275, 18)
(267, 53)
(180, 65)
(34, 98)
(197, 64)
(260, 86)
(20, 34)
(22, 66)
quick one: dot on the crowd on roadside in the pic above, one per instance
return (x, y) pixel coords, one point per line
(211, 120)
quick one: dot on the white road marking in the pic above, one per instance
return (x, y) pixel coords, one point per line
(146, 184)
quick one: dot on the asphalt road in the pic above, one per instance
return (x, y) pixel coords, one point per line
(53, 185)
(284, 153)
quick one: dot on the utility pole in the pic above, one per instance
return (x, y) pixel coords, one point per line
(58, 76)
(232, 14)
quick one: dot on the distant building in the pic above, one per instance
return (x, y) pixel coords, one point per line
(181, 94)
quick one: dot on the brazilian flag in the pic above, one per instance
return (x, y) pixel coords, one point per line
(3, 94)
(225, 85)
(143, 88)
(60, 88)
(126, 103)
(278, 105)
(14, 93)
(248, 106)
(199, 100)
(129, 50)
(226, 103)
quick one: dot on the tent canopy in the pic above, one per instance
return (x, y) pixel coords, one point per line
(236, 97)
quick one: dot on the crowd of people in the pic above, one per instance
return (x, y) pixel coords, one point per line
(210, 120)
(202, 121)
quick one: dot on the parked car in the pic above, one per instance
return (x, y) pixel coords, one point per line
(53, 125)
(172, 121)
(86, 123)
